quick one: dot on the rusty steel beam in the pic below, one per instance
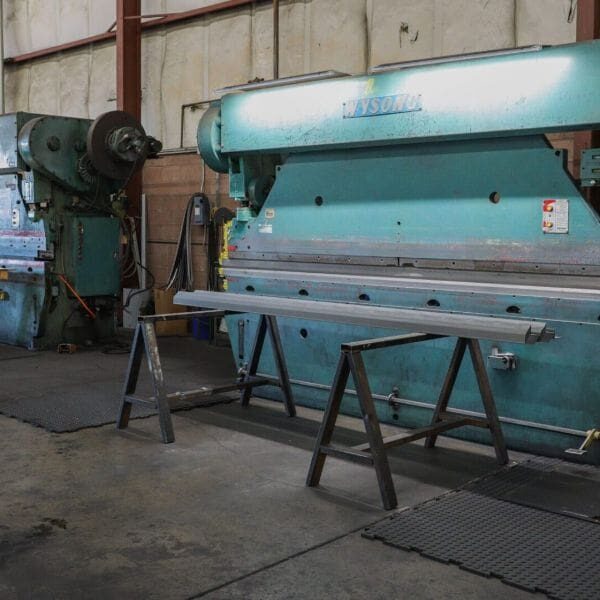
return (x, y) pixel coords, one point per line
(129, 90)
(129, 57)
(588, 22)
(172, 18)
(588, 28)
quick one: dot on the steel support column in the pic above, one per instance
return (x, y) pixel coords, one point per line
(588, 28)
(129, 52)
(129, 84)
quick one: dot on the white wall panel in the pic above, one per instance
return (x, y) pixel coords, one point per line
(73, 20)
(401, 30)
(101, 15)
(153, 51)
(16, 88)
(35, 24)
(463, 26)
(292, 17)
(262, 43)
(229, 49)
(546, 22)
(44, 88)
(103, 86)
(17, 30)
(337, 35)
(74, 84)
(182, 81)
(42, 18)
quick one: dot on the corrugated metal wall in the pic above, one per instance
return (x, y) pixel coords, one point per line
(185, 63)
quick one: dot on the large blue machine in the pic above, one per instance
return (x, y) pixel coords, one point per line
(61, 210)
(427, 186)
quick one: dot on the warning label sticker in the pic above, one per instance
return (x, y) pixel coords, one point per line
(555, 216)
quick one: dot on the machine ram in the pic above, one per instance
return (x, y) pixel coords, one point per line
(61, 211)
(431, 187)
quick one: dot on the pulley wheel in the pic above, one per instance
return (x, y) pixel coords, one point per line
(104, 160)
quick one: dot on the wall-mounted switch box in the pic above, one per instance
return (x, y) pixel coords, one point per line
(201, 210)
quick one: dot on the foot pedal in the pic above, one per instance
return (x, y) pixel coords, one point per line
(592, 436)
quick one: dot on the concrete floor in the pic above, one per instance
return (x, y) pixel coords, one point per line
(221, 514)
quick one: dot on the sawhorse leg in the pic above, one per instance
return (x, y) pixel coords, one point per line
(268, 324)
(131, 377)
(485, 390)
(144, 340)
(353, 363)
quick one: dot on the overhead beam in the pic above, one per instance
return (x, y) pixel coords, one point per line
(170, 19)
(129, 85)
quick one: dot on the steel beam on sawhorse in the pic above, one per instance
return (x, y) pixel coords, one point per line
(374, 451)
(145, 342)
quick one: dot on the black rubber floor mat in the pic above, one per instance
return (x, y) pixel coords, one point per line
(532, 549)
(549, 484)
(63, 393)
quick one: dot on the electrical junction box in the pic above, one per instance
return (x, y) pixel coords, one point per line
(590, 167)
(201, 210)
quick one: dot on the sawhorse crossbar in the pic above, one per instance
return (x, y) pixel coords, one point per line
(145, 342)
(374, 451)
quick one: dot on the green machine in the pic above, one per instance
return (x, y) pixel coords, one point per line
(426, 186)
(61, 214)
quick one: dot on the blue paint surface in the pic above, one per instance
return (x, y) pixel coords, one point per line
(455, 186)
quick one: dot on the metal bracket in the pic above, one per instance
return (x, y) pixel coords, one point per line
(593, 435)
(242, 371)
(503, 361)
(394, 399)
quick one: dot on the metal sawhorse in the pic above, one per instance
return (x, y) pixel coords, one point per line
(374, 451)
(145, 342)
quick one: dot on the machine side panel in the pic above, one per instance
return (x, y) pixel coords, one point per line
(464, 201)
(94, 258)
(19, 235)
(22, 299)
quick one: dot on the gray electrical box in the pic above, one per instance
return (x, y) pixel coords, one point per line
(201, 210)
